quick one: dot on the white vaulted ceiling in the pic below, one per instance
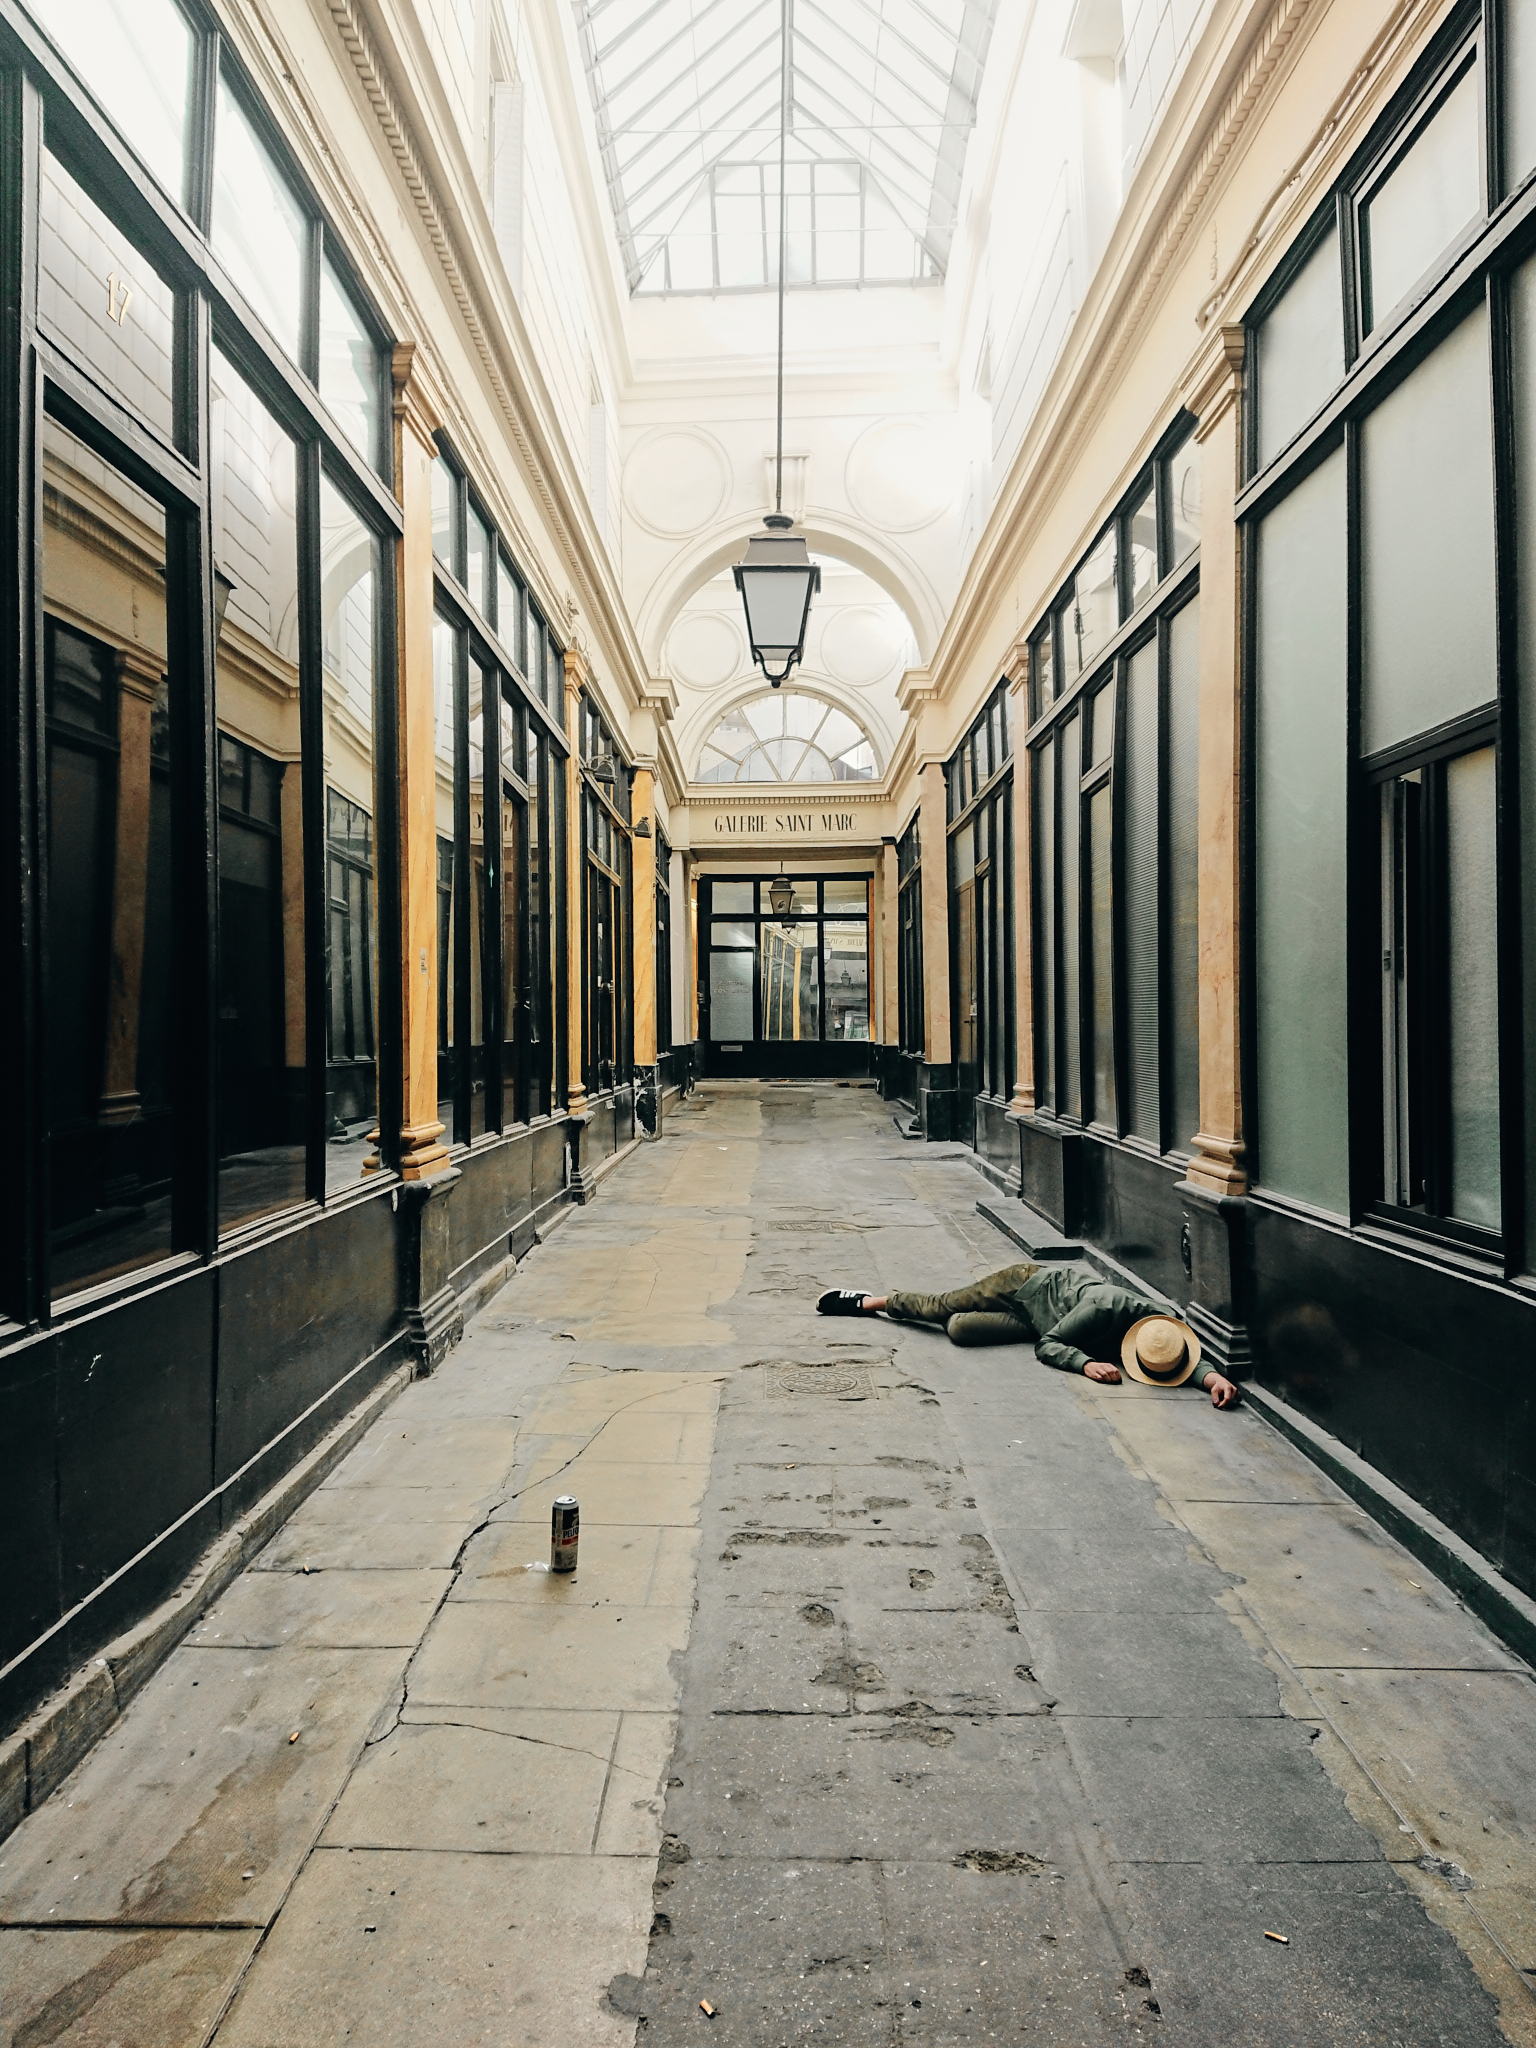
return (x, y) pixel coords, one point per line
(882, 102)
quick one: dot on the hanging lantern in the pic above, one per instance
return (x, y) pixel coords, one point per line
(777, 580)
(781, 894)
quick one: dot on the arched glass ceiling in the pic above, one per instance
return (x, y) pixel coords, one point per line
(787, 736)
(882, 102)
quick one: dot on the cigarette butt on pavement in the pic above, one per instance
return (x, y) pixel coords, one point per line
(704, 2004)
(1283, 1939)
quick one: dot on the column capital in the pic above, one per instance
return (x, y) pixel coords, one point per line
(415, 406)
(1015, 669)
(1215, 380)
(139, 672)
(577, 670)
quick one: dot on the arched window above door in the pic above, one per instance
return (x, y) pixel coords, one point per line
(787, 736)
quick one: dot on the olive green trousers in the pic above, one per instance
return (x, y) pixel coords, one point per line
(980, 1313)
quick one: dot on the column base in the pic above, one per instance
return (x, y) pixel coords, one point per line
(421, 1155)
(434, 1328)
(936, 1102)
(581, 1181)
(1051, 1170)
(1211, 1242)
(434, 1315)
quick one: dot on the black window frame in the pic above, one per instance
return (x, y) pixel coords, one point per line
(1472, 272)
(911, 1021)
(763, 914)
(45, 105)
(1105, 681)
(522, 1076)
(978, 780)
(607, 904)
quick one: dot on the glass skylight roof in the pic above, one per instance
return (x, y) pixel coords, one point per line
(786, 736)
(882, 102)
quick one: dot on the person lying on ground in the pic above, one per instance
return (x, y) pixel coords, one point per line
(1077, 1321)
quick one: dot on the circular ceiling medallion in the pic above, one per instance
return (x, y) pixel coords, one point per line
(860, 645)
(898, 475)
(705, 650)
(676, 481)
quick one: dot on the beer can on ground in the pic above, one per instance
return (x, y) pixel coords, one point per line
(564, 1528)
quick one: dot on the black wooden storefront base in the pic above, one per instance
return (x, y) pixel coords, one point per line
(788, 1059)
(139, 1429)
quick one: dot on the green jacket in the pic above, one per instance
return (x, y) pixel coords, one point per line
(1076, 1317)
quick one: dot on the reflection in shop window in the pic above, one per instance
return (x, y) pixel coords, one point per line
(112, 1114)
(263, 1081)
(259, 231)
(349, 587)
(351, 369)
(136, 56)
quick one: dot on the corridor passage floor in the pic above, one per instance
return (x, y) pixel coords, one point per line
(904, 1695)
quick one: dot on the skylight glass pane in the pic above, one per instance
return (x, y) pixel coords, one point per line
(815, 767)
(885, 86)
(767, 737)
(802, 715)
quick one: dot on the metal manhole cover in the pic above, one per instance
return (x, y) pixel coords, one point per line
(848, 1381)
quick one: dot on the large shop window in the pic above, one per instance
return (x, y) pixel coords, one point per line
(910, 1021)
(1387, 868)
(608, 870)
(1114, 808)
(979, 799)
(798, 974)
(500, 794)
(216, 606)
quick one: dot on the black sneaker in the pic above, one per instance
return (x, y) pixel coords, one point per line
(841, 1301)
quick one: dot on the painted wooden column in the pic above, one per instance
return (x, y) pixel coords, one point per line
(575, 890)
(138, 676)
(643, 872)
(1219, 1164)
(1016, 669)
(422, 1152)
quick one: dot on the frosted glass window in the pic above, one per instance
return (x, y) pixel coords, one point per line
(1426, 479)
(259, 228)
(1424, 204)
(1102, 952)
(1522, 308)
(1301, 349)
(1472, 961)
(1141, 868)
(730, 996)
(1519, 91)
(1071, 1100)
(136, 57)
(1103, 725)
(1300, 766)
(350, 368)
(1184, 875)
(735, 899)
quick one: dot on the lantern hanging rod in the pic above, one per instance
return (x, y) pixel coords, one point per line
(778, 481)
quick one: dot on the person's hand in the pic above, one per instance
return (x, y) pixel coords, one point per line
(1223, 1392)
(1107, 1375)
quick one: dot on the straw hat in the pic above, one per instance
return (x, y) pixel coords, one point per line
(1160, 1351)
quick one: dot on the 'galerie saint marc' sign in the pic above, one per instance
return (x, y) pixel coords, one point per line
(788, 824)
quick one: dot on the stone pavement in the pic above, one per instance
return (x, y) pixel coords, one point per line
(904, 1695)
